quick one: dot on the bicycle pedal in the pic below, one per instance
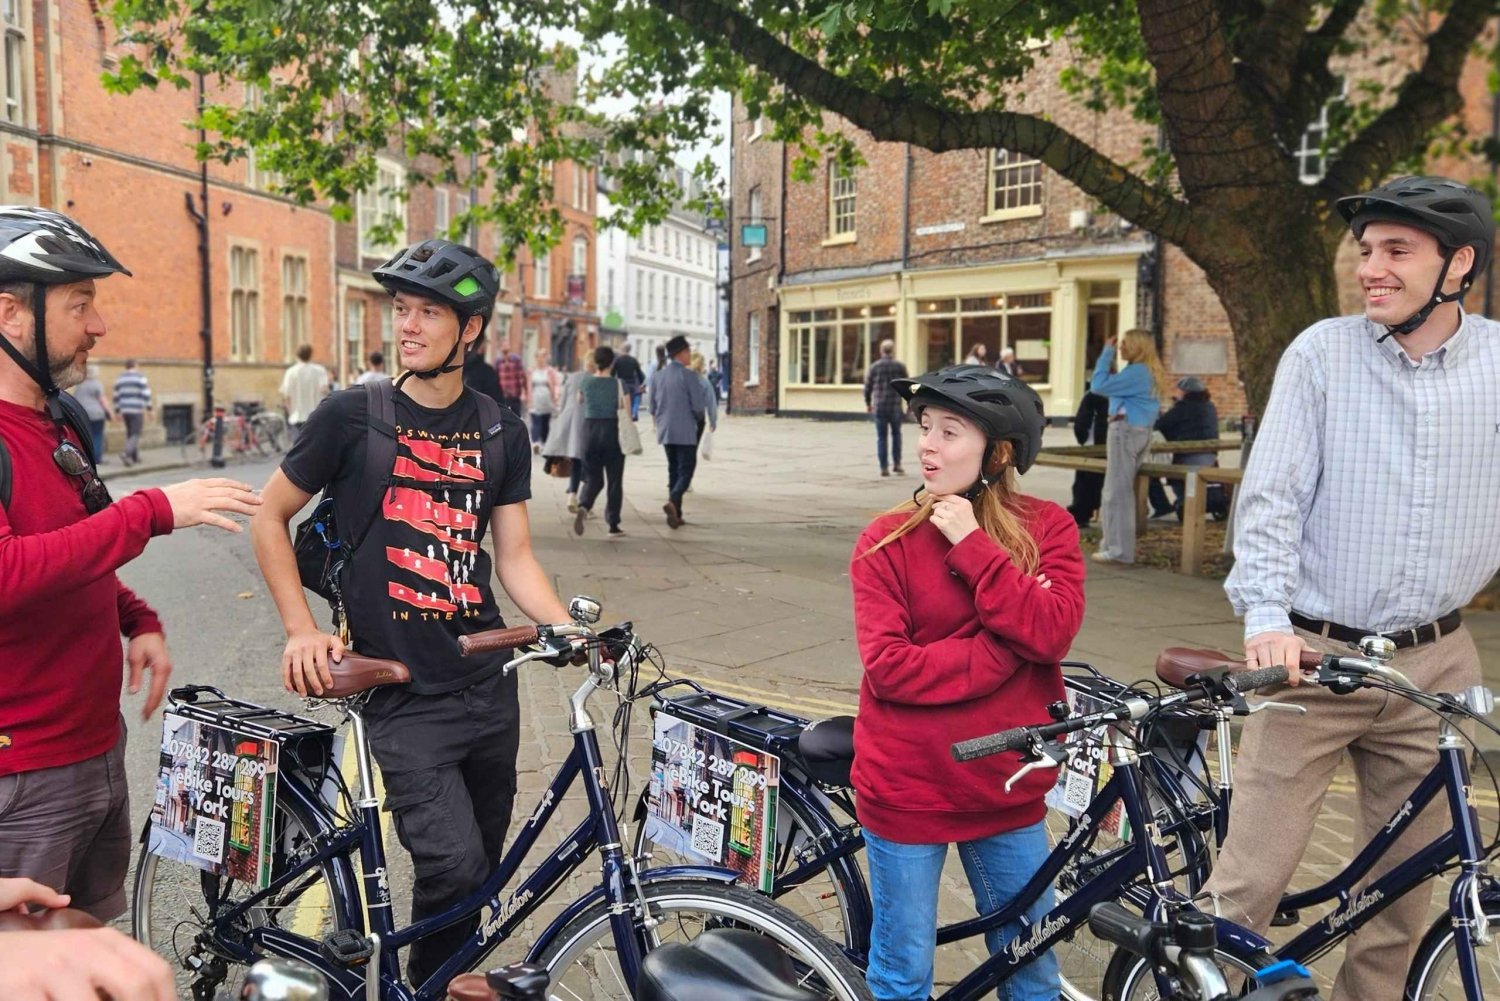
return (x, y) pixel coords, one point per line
(519, 982)
(347, 947)
(1282, 919)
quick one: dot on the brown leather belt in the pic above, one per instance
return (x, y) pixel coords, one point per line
(1403, 638)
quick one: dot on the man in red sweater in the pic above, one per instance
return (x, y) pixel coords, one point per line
(62, 609)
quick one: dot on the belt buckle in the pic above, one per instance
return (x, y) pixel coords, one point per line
(1416, 637)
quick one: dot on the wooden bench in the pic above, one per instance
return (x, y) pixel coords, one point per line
(1091, 459)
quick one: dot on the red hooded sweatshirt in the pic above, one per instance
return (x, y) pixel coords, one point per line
(957, 642)
(62, 609)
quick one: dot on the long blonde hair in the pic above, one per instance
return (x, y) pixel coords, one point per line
(1139, 346)
(997, 509)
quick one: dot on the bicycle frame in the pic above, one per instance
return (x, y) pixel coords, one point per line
(500, 913)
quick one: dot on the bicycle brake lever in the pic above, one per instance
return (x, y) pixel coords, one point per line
(1278, 706)
(1052, 757)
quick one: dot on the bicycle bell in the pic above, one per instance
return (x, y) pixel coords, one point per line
(281, 979)
(1380, 649)
(585, 609)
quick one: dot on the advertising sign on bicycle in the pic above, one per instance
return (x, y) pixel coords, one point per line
(713, 800)
(1086, 772)
(215, 797)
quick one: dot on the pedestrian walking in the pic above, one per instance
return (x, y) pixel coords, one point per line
(679, 402)
(716, 379)
(1008, 364)
(883, 404)
(1134, 396)
(565, 438)
(1090, 427)
(132, 394)
(303, 387)
(628, 371)
(1367, 507)
(966, 599)
(510, 372)
(1193, 417)
(64, 801)
(711, 412)
(421, 578)
(603, 401)
(546, 393)
(376, 372)
(90, 394)
(978, 354)
(480, 376)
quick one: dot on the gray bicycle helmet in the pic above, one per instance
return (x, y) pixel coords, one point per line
(1006, 408)
(45, 248)
(448, 272)
(1454, 213)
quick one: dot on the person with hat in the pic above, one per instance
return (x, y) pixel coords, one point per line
(1192, 417)
(64, 806)
(679, 403)
(419, 577)
(966, 598)
(1368, 507)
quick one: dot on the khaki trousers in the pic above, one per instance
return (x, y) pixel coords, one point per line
(1282, 773)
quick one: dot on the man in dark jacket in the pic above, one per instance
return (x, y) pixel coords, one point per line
(628, 371)
(1192, 418)
(1090, 426)
(480, 376)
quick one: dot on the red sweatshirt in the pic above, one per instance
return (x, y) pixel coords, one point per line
(62, 609)
(957, 642)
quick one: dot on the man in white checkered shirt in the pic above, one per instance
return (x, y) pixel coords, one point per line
(1371, 504)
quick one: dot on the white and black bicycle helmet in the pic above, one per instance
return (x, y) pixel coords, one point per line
(1004, 407)
(1454, 213)
(45, 248)
(448, 272)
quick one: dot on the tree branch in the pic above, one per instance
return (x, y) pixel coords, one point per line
(1272, 47)
(1339, 18)
(1425, 98)
(934, 128)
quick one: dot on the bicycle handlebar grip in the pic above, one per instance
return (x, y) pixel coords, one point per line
(497, 639)
(1118, 926)
(994, 743)
(1261, 677)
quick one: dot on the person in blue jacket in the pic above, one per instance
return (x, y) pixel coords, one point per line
(1135, 394)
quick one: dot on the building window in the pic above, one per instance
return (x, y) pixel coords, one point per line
(580, 186)
(382, 204)
(651, 294)
(293, 304)
(354, 337)
(840, 201)
(755, 220)
(1015, 185)
(388, 335)
(676, 316)
(1311, 158)
(244, 303)
(441, 216)
(257, 177)
(16, 51)
(640, 294)
(950, 329)
(542, 275)
(580, 256)
(609, 285)
(834, 346)
(753, 363)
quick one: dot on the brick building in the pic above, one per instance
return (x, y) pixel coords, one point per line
(943, 252)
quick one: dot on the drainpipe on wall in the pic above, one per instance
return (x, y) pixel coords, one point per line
(906, 210)
(199, 214)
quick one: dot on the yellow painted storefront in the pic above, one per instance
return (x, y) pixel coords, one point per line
(1054, 313)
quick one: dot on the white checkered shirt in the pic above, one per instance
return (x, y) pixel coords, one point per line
(1372, 496)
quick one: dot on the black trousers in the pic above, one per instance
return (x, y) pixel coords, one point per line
(1088, 489)
(682, 462)
(449, 765)
(601, 450)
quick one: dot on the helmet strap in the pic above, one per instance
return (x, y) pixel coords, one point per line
(983, 483)
(1439, 297)
(38, 369)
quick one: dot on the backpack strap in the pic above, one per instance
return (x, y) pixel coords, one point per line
(380, 456)
(4, 474)
(78, 420)
(491, 442)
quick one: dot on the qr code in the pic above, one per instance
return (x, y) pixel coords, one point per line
(208, 840)
(1078, 793)
(708, 838)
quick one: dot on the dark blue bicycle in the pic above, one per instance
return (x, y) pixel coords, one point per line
(327, 909)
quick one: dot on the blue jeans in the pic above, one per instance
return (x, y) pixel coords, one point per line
(904, 889)
(888, 424)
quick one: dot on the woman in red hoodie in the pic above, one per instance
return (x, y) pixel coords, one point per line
(965, 600)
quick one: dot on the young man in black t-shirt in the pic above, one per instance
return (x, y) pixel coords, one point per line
(420, 578)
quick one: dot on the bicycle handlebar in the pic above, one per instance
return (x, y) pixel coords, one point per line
(1132, 708)
(498, 639)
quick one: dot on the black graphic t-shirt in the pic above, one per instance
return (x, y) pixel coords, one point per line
(421, 577)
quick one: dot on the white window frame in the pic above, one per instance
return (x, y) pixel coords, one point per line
(244, 302)
(1013, 186)
(580, 256)
(15, 21)
(1310, 145)
(752, 361)
(294, 319)
(541, 275)
(381, 202)
(354, 335)
(843, 202)
(388, 334)
(442, 214)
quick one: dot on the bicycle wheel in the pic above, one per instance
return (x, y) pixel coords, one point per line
(1129, 977)
(175, 902)
(582, 962)
(1434, 972)
(822, 900)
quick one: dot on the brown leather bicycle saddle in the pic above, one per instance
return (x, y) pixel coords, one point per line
(355, 674)
(1176, 664)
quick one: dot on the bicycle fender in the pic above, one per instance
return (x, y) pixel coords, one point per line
(706, 873)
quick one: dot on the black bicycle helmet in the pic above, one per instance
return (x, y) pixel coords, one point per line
(448, 272)
(45, 248)
(1454, 213)
(1006, 408)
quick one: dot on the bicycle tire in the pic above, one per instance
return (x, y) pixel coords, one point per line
(1130, 978)
(1434, 970)
(172, 898)
(580, 957)
(822, 900)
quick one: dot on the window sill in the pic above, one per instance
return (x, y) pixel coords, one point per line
(752, 257)
(842, 238)
(1024, 212)
(752, 385)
